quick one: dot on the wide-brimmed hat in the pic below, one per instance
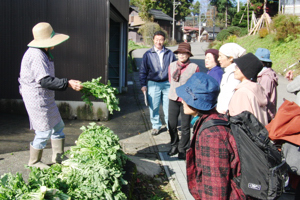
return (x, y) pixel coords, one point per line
(184, 47)
(249, 65)
(45, 37)
(200, 91)
(263, 54)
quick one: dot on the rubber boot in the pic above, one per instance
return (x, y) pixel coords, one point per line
(58, 150)
(35, 158)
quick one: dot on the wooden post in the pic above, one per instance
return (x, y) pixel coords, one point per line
(248, 15)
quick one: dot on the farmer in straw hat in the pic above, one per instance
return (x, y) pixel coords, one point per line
(37, 85)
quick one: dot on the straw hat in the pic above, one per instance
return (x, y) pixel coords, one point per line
(45, 37)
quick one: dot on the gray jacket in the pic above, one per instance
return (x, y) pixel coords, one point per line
(294, 87)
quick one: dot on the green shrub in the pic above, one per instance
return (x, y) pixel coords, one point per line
(231, 38)
(286, 27)
(244, 31)
(232, 30)
(263, 32)
(148, 29)
(223, 35)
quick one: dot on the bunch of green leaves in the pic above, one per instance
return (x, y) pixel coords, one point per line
(95, 167)
(99, 143)
(12, 186)
(47, 193)
(94, 171)
(100, 91)
(47, 177)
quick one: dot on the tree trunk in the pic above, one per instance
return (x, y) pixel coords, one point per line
(226, 17)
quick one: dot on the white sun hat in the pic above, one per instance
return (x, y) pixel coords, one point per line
(45, 37)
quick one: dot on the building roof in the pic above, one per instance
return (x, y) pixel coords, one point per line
(188, 28)
(157, 14)
(211, 29)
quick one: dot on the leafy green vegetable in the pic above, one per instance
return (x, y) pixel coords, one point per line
(12, 186)
(48, 193)
(94, 171)
(100, 91)
(95, 167)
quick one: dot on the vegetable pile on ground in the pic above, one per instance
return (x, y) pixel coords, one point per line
(93, 171)
(100, 91)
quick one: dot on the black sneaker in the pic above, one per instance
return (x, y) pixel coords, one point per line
(181, 156)
(289, 190)
(173, 151)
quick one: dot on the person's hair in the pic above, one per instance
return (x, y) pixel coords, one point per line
(159, 33)
(216, 58)
(201, 112)
(267, 64)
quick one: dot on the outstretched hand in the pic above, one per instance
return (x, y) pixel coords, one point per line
(75, 85)
(289, 75)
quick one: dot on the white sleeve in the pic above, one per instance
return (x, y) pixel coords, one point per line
(227, 89)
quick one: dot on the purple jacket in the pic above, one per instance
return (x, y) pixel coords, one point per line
(217, 73)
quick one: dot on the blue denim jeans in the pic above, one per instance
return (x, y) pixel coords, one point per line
(41, 137)
(158, 92)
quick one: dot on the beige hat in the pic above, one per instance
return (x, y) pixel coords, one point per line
(232, 50)
(45, 37)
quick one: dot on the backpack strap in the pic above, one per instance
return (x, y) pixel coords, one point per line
(213, 122)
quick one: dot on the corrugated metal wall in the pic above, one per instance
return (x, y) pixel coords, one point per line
(82, 57)
(15, 34)
(122, 6)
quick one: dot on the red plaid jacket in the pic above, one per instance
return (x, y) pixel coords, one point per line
(212, 162)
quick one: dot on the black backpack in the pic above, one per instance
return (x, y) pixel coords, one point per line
(263, 171)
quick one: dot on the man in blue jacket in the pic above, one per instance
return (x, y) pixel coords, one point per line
(154, 79)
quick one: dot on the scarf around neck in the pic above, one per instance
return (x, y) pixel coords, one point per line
(176, 74)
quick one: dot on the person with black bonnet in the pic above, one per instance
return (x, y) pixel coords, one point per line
(249, 95)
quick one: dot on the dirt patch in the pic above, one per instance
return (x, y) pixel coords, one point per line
(154, 188)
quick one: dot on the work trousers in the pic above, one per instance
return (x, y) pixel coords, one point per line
(41, 137)
(176, 108)
(158, 93)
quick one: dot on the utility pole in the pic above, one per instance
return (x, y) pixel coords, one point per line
(199, 21)
(214, 17)
(175, 4)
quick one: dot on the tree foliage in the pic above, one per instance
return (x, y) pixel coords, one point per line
(240, 18)
(166, 6)
(222, 6)
(271, 7)
(144, 6)
(195, 8)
